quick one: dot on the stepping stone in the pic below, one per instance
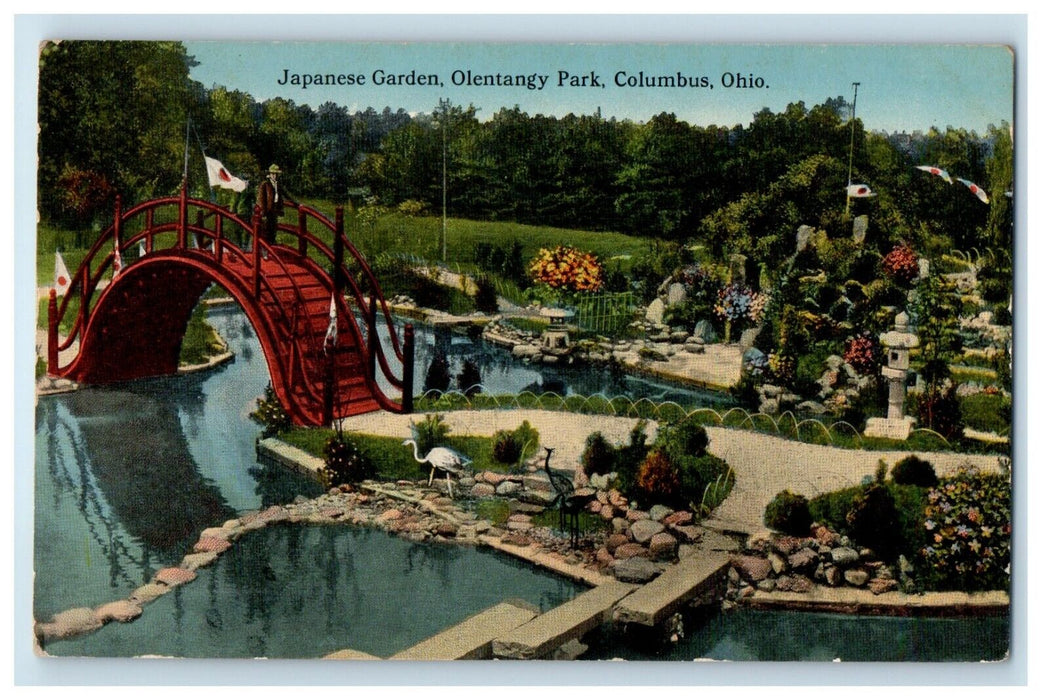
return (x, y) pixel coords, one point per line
(471, 638)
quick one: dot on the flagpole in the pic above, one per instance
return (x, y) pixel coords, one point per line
(852, 137)
(185, 160)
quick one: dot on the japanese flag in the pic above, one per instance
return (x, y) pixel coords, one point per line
(975, 189)
(332, 336)
(218, 176)
(935, 171)
(859, 191)
(62, 278)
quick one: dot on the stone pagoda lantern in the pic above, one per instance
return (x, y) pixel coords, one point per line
(555, 344)
(899, 343)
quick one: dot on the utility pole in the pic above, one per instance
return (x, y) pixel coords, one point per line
(852, 136)
(444, 104)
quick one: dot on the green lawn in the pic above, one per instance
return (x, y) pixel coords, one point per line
(392, 459)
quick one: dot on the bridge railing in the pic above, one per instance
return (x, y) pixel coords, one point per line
(171, 215)
(368, 300)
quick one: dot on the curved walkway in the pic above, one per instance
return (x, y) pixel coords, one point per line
(764, 464)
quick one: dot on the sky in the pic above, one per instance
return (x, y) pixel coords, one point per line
(902, 87)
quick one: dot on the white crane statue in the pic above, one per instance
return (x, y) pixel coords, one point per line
(441, 459)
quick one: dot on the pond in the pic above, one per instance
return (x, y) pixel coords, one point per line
(127, 476)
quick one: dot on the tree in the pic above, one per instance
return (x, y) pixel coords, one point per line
(116, 110)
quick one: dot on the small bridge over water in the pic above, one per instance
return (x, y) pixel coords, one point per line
(172, 249)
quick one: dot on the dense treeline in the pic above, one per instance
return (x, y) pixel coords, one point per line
(113, 119)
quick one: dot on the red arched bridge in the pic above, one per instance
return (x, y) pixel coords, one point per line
(172, 249)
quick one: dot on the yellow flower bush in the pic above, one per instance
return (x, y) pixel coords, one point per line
(567, 268)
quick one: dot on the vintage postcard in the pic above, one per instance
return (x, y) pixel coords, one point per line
(447, 351)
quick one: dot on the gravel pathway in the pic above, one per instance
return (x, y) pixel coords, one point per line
(764, 464)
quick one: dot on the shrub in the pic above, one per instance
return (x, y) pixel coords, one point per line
(438, 376)
(510, 446)
(469, 379)
(968, 527)
(429, 293)
(430, 432)
(686, 437)
(629, 458)
(789, 513)
(914, 470)
(270, 414)
(699, 472)
(599, 456)
(486, 299)
(864, 353)
(901, 264)
(658, 479)
(344, 463)
(940, 410)
(874, 522)
(411, 208)
(567, 268)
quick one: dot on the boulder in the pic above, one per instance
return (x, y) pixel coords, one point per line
(679, 517)
(654, 312)
(705, 330)
(663, 545)
(211, 544)
(659, 512)
(173, 576)
(616, 541)
(832, 575)
(751, 568)
(482, 491)
(630, 551)
(507, 488)
(794, 584)
(687, 533)
(767, 585)
(148, 593)
(804, 560)
(857, 577)
(604, 559)
(778, 563)
(676, 294)
(390, 515)
(635, 570)
(118, 611)
(643, 530)
(69, 623)
(878, 586)
(192, 562)
(844, 556)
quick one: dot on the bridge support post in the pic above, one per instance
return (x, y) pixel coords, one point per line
(218, 239)
(182, 223)
(302, 232)
(256, 252)
(408, 378)
(339, 250)
(373, 336)
(117, 211)
(52, 333)
(198, 237)
(329, 388)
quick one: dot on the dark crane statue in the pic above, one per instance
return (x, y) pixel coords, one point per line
(569, 500)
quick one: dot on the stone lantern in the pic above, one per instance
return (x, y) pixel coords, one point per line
(555, 343)
(898, 343)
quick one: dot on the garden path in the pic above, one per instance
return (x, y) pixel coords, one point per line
(764, 464)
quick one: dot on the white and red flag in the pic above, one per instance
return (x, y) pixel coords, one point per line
(62, 278)
(935, 171)
(975, 189)
(331, 337)
(218, 176)
(860, 191)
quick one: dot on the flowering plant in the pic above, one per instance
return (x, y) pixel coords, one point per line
(901, 264)
(863, 353)
(567, 268)
(967, 525)
(734, 302)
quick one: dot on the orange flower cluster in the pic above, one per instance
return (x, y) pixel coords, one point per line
(567, 268)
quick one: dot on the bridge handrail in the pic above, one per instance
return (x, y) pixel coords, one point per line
(376, 289)
(295, 361)
(93, 267)
(359, 299)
